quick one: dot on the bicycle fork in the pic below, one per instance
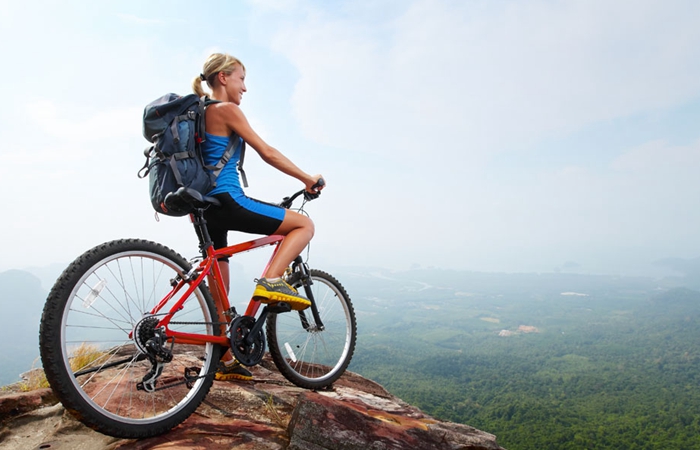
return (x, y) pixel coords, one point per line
(246, 333)
(302, 275)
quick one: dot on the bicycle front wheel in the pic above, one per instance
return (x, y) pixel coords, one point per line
(93, 332)
(308, 355)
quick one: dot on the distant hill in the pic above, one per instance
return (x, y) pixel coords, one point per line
(47, 274)
(690, 268)
(21, 301)
(678, 296)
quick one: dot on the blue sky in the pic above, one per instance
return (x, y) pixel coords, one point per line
(518, 136)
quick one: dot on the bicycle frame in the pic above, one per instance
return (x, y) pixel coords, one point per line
(209, 267)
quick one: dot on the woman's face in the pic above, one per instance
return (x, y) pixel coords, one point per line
(235, 85)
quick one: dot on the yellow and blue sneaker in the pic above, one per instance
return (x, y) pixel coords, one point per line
(277, 290)
(232, 370)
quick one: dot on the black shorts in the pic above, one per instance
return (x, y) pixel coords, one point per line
(245, 214)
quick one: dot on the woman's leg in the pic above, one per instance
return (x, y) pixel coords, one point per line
(252, 216)
(232, 370)
(298, 230)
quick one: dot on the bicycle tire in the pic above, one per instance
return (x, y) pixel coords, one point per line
(312, 358)
(89, 315)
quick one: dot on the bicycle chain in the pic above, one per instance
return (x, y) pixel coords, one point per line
(189, 380)
(199, 323)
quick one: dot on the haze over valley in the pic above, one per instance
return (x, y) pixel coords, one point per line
(552, 359)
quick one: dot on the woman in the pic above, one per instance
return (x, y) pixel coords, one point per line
(225, 76)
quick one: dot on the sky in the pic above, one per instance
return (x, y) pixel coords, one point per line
(499, 136)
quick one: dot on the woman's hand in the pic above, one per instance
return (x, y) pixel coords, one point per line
(315, 184)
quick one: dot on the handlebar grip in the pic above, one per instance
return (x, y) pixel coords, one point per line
(321, 182)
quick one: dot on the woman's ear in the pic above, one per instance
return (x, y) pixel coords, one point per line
(221, 76)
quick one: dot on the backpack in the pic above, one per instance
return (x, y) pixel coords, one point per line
(176, 127)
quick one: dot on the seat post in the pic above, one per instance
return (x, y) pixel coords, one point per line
(200, 227)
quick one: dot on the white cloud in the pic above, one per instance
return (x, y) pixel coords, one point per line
(657, 157)
(80, 125)
(437, 97)
(130, 18)
(276, 5)
(466, 79)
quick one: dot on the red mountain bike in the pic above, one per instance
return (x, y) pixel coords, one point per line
(131, 336)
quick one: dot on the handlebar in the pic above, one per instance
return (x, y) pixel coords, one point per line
(308, 196)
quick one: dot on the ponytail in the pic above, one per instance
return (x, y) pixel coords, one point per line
(197, 87)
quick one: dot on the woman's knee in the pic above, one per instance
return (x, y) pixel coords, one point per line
(310, 227)
(305, 226)
(295, 221)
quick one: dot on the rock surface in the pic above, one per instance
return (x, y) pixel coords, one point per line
(268, 413)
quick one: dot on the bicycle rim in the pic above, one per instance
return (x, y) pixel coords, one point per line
(310, 357)
(100, 366)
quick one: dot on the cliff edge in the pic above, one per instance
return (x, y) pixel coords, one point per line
(268, 413)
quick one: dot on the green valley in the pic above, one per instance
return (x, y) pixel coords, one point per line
(542, 361)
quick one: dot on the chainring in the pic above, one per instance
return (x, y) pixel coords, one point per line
(246, 354)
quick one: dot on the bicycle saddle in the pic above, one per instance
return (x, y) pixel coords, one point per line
(185, 199)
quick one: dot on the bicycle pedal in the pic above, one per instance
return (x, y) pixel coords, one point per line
(279, 307)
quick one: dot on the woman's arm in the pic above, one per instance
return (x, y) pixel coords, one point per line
(233, 118)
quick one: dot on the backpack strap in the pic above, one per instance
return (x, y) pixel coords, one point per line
(228, 153)
(189, 115)
(240, 160)
(143, 173)
(176, 171)
(230, 148)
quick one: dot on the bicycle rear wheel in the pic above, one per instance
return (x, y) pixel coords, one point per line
(308, 356)
(93, 331)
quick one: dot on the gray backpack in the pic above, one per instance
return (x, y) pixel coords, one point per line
(175, 126)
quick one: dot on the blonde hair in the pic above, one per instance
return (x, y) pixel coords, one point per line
(217, 62)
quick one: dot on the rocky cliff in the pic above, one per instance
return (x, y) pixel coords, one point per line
(268, 413)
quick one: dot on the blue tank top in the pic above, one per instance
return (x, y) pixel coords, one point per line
(213, 149)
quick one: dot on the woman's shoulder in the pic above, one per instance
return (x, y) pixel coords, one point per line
(222, 117)
(223, 106)
(226, 111)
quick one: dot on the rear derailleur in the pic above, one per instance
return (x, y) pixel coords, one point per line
(152, 343)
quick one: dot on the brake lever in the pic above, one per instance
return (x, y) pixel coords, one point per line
(311, 195)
